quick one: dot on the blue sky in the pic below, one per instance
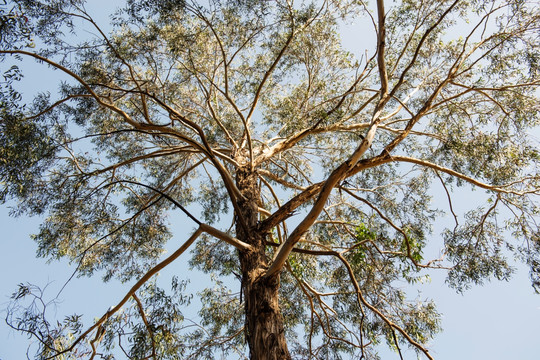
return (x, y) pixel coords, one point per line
(500, 320)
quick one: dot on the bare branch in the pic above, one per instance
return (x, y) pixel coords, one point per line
(381, 43)
(146, 324)
(500, 188)
(240, 245)
(59, 102)
(258, 93)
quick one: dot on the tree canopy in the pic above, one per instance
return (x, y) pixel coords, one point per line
(304, 169)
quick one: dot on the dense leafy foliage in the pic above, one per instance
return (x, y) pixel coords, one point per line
(256, 113)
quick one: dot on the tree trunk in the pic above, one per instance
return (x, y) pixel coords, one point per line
(264, 323)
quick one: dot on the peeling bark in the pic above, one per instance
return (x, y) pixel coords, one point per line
(265, 330)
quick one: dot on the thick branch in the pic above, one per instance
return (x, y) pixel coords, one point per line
(288, 208)
(335, 177)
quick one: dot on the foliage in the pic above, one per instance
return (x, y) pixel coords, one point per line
(255, 114)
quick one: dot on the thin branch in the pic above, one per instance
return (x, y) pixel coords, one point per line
(258, 93)
(499, 188)
(203, 227)
(419, 47)
(107, 105)
(146, 324)
(449, 199)
(82, 255)
(166, 196)
(132, 291)
(240, 245)
(59, 102)
(363, 301)
(381, 43)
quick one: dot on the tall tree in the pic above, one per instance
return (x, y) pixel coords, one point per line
(311, 168)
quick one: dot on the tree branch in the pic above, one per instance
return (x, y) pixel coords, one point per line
(381, 43)
(132, 291)
(500, 188)
(335, 177)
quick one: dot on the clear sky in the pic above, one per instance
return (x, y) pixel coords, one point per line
(500, 320)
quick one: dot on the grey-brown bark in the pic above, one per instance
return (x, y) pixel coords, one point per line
(264, 323)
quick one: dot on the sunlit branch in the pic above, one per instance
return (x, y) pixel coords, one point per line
(480, 58)
(362, 301)
(335, 223)
(291, 141)
(289, 207)
(483, 91)
(498, 188)
(240, 245)
(225, 174)
(403, 103)
(279, 227)
(99, 323)
(333, 179)
(258, 93)
(419, 47)
(310, 192)
(428, 105)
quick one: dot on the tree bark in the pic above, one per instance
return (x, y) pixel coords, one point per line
(264, 323)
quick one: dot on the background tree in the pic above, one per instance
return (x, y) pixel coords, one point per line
(311, 168)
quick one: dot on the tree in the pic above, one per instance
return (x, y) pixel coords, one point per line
(321, 162)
